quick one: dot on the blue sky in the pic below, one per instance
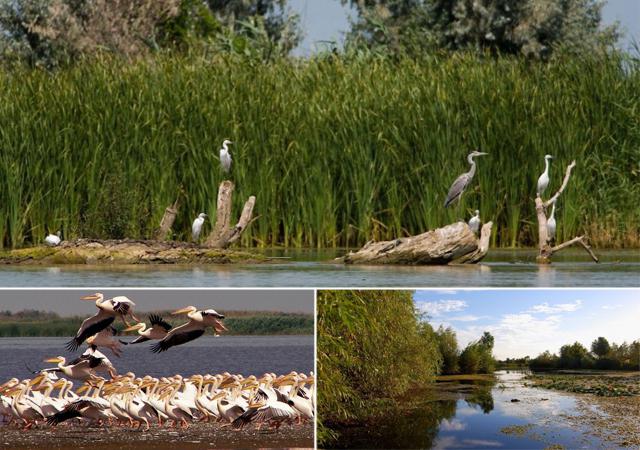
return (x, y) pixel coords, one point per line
(528, 322)
(329, 19)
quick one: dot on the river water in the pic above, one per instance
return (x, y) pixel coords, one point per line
(504, 414)
(300, 268)
(235, 354)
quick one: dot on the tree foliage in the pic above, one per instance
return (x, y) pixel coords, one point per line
(448, 346)
(603, 356)
(533, 28)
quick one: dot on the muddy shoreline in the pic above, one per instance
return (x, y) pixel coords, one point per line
(197, 436)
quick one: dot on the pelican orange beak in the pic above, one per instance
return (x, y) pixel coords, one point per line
(186, 310)
(90, 297)
(37, 380)
(56, 360)
(135, 327)
(82, 388)
(219, 326)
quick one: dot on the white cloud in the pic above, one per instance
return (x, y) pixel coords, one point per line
(545, 308)
(441, 307)
(467, 318)
(453, 425)
(612, 306)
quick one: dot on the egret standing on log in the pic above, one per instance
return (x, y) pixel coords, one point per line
(225, 157)
(474, 222)
(196, 228)
(53, 240)
(461, 183)
(543, 181)
(551, 223)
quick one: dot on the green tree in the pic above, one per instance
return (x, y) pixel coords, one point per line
(575, 356)
(470, 359)
(530, 27)
(600, 347)
(448, 345)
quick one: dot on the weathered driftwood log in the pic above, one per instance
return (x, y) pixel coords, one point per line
(170, 213)
(545, 250)
(452, 244)
(223, 234)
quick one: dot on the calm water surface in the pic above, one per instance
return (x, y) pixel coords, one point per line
(472, 417)
(235, 354)
(316, 269)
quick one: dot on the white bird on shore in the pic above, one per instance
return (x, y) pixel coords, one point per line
(543, 181)
(551, 223)
(474, 222)
(53, 240)
(196, 228)
(225, 156)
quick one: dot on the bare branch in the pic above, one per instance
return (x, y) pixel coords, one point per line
(577, 240)
(567, 175)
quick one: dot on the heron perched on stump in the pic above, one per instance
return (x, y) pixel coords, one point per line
(461, 183)
(225, 156)
(543, 180)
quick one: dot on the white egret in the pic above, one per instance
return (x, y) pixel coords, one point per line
(457, 188)
(53, 240)
(543, 180)
(474, 222)
(196, 228)
(551, 223)
(225, 156)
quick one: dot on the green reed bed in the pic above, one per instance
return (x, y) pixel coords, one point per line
(338, 152)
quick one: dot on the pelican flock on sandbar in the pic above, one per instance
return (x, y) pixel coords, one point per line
(106, 398)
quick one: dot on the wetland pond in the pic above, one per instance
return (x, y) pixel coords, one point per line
(315, 268)
(502, 413)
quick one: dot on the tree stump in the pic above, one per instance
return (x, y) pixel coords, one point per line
(545, 250)
(223, 234)
(452, 244)
(170, 213)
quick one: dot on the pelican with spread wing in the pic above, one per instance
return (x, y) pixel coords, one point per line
(199, 321)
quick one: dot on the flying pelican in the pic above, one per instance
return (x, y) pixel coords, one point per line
(196, 228)
(543, 181)
(158, 330)
(53, 240)
(105, 338)
(551, 223)
(461, 183)
(198, 322)
(474, 222)
(225, 157)
(107, 312)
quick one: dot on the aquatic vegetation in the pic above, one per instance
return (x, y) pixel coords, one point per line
(337, 150)
(600, 384)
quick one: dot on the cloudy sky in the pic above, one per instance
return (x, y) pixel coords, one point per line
(329, 19)
(528, 322)
(67, 301)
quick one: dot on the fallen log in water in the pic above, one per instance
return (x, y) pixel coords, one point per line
(452, 244)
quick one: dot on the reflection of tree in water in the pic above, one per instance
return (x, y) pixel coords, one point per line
(483, 398)
(413, 428)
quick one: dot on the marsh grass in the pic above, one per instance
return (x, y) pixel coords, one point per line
(338, 152)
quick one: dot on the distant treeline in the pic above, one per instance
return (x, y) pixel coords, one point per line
(602, 355)
(338, 150)
(41, 323)
(373, 346)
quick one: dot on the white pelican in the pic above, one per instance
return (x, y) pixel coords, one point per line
(264, 407)
(23, 406)
(53, 240)
(551, 223)
(105, 338)
(474, 222)
(107, 312)
(158, 330)
(172, 408)
(225, 157)
(196, 228)
(457, 188)
(198, 322)
(543, 180)
(78, 369)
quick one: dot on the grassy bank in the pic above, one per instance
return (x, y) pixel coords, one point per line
(337, 152)
(38, 323)
(600, 383)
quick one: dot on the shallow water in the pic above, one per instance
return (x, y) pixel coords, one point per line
(306, 268)
(473, 419)
(235, 354)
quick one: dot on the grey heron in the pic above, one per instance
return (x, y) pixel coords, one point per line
(196, 228)
(543, 180)
(225, 156)
(461, 183)
(474, 222)
(53, 240)
(551, 223)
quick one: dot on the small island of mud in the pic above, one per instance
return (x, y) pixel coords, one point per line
(126, 251)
